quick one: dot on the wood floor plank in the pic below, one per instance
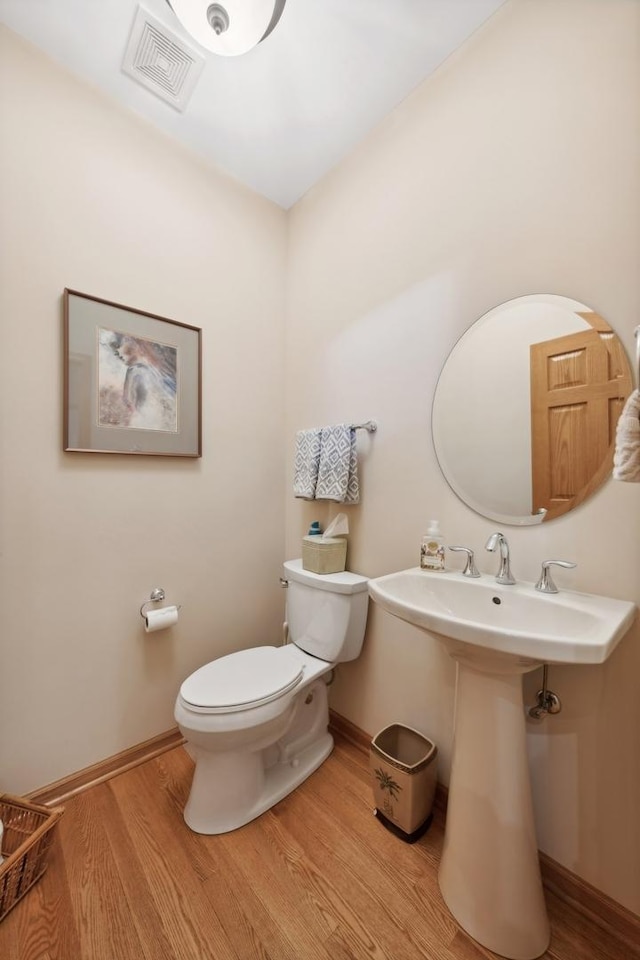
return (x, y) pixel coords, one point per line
(464, 947)
(42, 925)
(263, 871)
(416, 863)
(281, 890)
(174, 888)
(387, 911)
(135, 881)
(315, 878)
(97, 897)
(367, 923)
(574, 935)
(355, 761)
(337, 893)
(254, 928)
(255, 931)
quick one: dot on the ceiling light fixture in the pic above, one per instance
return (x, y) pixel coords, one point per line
(231, 27)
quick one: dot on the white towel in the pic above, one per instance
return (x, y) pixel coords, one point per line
(306, 463)
(626, 456)
(338, 470)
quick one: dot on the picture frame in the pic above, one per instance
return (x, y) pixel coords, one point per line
(132, 380)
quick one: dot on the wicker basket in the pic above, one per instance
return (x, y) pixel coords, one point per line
(28, 832)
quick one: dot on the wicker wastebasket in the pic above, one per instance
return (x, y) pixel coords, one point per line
(403, 765)
(28, 832)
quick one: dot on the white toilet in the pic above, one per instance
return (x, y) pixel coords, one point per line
(256, 720)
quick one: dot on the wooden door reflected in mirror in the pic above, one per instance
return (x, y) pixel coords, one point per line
(577, 385)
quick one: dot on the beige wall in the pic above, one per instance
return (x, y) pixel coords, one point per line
(95, 200)
(514, 170)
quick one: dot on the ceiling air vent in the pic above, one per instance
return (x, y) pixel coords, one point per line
(161, 61)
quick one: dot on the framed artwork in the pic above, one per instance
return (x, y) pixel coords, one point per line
(132, 381)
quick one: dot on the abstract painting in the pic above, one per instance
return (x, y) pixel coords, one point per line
(132, 380)
(136, 382)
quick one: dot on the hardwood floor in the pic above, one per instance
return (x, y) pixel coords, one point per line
(315, 878)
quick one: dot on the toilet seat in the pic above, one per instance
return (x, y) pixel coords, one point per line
(247, 678)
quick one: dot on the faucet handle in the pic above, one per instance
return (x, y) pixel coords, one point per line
(470, 569)
(545, 584)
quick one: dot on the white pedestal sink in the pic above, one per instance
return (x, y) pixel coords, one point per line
(489, 872)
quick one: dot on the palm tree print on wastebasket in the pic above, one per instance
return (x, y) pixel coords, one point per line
(387, 783)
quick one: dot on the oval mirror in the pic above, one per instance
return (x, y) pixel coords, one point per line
(526, 407)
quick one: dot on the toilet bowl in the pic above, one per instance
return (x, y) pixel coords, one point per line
(256, 721)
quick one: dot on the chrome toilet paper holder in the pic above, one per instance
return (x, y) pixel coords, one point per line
(157, 595)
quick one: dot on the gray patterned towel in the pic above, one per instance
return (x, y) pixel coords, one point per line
(338, 470)
(307, 460)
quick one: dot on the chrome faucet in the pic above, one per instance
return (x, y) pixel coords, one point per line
(504, 573)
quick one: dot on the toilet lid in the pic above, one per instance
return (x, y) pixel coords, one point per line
(242, 679)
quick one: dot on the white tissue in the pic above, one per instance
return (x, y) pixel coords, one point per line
(160, 619)
(338, 527)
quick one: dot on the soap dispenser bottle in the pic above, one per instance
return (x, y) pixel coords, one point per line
(432, 548)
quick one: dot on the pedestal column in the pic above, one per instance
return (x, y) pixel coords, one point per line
(490, 874)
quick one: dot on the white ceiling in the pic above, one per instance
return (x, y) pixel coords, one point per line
(285, 113)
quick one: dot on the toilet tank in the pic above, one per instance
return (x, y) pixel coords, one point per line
(326, 613)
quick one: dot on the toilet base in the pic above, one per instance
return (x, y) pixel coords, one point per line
(244, 788)
(231, 787)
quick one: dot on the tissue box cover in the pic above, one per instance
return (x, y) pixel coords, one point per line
(328, 555)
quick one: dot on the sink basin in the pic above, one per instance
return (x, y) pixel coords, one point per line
(489, 870)
(566, 627)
